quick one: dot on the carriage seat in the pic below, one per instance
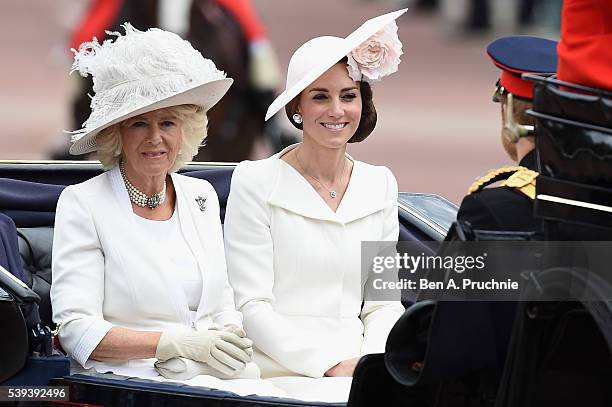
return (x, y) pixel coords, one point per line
(32, 207)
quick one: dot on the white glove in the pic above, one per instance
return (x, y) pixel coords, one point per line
(221, 350)
(235, 329)
(185, 369)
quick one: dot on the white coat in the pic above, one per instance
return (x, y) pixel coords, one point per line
(107, 274)
(294, 265)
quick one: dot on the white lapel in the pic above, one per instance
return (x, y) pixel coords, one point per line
(365, 194)
(293, 193)
(190, 214)
(174, 293)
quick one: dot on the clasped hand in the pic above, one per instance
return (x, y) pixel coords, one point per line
(226, 350)
(345, 368)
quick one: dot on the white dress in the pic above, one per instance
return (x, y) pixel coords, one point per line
(294, 265)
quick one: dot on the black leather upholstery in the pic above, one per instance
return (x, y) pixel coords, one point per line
(14, 344)
(574, 143)
(35, 251)
(373, 386)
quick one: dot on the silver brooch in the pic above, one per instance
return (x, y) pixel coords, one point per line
(201, 201)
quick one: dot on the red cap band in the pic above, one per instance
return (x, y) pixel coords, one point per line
(515, 85)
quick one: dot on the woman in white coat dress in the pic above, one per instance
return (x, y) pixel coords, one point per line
(295, 221)
(139, 270)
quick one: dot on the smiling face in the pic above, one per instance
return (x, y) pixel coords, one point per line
(151, 142)
(331, 108)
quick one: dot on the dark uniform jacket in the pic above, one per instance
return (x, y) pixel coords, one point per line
(504, 208)
(501, 208)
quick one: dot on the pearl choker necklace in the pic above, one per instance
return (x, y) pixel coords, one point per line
(140, 198)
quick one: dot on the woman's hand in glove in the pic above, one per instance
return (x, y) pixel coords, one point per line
(235, 329)
(222, 350)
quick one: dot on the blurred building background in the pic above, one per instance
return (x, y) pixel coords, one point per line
(437, 127)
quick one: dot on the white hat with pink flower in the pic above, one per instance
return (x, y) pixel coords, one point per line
(373, 51)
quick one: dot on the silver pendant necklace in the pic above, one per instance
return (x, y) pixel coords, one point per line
(332, 192)
(140, 198)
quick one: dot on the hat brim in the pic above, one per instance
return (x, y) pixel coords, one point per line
(352, 41)
(205, 95)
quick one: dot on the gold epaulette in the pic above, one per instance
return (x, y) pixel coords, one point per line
(494, 176)
(523, 180)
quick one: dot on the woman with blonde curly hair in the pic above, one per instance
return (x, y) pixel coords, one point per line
(139, 269)
(193, 132)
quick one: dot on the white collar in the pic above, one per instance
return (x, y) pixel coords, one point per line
(365, 194)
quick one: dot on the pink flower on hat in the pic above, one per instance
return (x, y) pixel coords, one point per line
(377, 57)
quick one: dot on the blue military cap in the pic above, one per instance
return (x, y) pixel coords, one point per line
(516, 55)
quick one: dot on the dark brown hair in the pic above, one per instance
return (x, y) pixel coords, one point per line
(367, 123)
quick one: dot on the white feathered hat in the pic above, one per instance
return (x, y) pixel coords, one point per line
(139, 72)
